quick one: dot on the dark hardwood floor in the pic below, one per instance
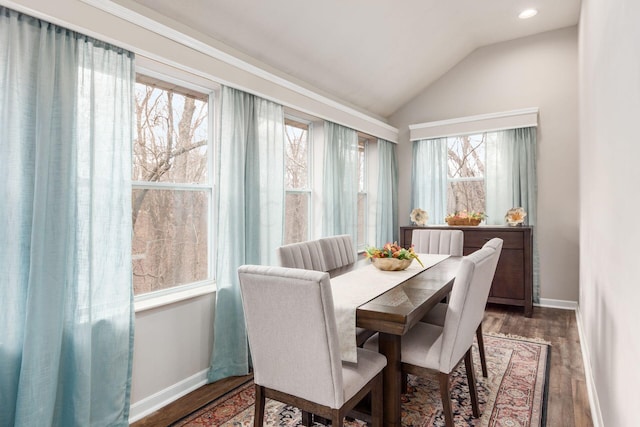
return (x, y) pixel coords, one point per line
(568, 403)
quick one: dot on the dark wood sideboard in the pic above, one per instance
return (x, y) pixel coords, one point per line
(513, 281)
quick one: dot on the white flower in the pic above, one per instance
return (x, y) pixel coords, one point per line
(515, 216)
(419, 217)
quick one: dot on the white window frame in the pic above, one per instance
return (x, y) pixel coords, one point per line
(185, 291)
(466, 179)
(365, 191)
(308, 189)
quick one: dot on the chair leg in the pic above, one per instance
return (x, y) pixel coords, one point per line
(445, 394)
(471, 379)
(307, 419)
(404, 387)
(337, 420)
(483, 359)
(258, 420)
(377, 403)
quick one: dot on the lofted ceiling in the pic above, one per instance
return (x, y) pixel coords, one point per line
(373, 54)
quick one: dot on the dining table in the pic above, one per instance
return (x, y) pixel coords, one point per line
(393, 313)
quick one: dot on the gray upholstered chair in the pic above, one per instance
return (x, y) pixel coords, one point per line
(430, 348)
(309, 374)
(338, 251)
(448, 242)
(436, 315)
(306, 255)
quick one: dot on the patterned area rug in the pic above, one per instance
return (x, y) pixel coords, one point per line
(514, 395)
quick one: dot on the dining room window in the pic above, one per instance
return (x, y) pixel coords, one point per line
(297, 180)
(172, 186)
(466, 159)
(363, 142)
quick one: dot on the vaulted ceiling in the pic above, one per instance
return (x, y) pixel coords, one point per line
(374, 54)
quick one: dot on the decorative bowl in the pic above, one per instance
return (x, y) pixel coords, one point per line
(391, 264)
(463, 221)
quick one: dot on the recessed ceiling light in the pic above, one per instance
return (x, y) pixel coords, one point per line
(529, 13)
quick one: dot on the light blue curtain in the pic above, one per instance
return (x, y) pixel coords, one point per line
(511, 181)
(387, 206)
(250, 206)
(340, 181)
(429, 178)
(66, 329)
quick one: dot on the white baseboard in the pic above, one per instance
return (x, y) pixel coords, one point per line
(557, 303)
(152, 403)
(596, 413)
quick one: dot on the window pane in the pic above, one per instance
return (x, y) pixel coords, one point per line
(171, 139)
(362, 220)
(466, 195)
(296, 218)
(297, 155)
(170, 238)
(362, 143)
(466, 156)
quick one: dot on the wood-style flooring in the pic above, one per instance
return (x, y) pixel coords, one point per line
(568, 403)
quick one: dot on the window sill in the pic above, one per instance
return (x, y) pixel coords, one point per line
(173, 297)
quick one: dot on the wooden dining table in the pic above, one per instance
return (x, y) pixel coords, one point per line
(393, 313)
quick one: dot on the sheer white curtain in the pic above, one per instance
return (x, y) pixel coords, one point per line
(511, 181)
(429, 178)
(340, 181)
(250, 208)
(387, 206)
(66, 323)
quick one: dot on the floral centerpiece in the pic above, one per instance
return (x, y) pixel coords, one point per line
(392, 257)
(465, 218)
(419, 217)
(515, 216)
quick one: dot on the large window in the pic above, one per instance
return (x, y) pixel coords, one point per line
(466, 168)
(362, 191)
(297, 173)
(172, 187)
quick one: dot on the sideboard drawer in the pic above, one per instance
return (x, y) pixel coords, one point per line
(478, 237)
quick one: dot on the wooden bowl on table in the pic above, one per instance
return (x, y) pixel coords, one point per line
(391, 264)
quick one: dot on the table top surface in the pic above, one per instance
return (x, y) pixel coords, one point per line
(401, 307)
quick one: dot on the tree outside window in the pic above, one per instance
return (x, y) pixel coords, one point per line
(298, 192)
(172, 190)
(466, 169)
(362, 191)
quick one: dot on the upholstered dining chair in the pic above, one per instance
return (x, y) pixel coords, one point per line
(448, 242)
(309, 375)
(437, 314)
(306, 255)
(338, 251)
(430, 348)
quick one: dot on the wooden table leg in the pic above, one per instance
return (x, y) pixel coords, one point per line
(389, 345)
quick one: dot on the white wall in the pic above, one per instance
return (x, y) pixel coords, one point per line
(172, 349)
(537, 71)
(609, 177)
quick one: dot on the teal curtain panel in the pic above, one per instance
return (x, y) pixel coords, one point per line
(66, 324)
(387, 206)
(250, 207)
(340, 214)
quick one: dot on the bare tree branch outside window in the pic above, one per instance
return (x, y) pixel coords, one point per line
(170, 210)
(296, 182)
(466, 168)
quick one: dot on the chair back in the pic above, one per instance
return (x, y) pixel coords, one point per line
(442, 242)
(292, 332)
(338, 251)
(306, 255)
(469, 295)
